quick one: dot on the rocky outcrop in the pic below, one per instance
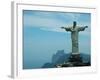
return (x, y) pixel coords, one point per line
(60, 57)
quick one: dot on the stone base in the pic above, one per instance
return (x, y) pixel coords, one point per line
(75, 58)
(73, 64)
(74, 61)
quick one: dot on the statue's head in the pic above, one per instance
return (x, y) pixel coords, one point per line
(74, 24)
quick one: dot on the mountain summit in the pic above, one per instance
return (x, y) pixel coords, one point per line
(61, 57)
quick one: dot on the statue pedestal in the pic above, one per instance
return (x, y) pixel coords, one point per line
(74, 61)
(75, 58)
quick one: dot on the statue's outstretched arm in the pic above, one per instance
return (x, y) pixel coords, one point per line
(82, 28)
(66, 28)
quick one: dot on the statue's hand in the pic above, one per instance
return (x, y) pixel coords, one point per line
(86, 26)
(63, 27)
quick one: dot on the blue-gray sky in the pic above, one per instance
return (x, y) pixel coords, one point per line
(42, 35)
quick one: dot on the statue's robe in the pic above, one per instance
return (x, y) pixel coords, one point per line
(74, 37)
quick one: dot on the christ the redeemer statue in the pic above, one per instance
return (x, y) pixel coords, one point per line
(74, 36)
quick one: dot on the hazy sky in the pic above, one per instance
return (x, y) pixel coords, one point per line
(43, 35)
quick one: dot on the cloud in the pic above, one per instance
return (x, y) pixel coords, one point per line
(36, 21)
(52, 21)
(72, 16)
(53, 29)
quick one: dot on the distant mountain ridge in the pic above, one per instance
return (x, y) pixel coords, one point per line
(61, 57)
